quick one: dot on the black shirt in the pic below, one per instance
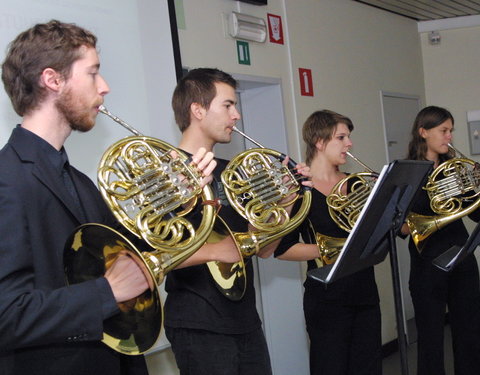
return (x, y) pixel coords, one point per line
(356, 289)
(193, 299)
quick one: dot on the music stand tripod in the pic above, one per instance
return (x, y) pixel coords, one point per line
(373, 235)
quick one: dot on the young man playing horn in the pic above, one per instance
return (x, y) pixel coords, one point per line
(51, 73)
(211, 334)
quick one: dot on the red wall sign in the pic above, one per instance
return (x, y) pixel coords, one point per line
(306, 82)
(275, 30)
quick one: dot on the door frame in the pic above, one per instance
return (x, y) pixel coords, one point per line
(402, 245)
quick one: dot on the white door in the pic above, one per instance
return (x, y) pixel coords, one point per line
(399, 112)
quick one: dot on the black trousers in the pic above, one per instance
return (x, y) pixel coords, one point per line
(344, 340)
(432, 291)
(199, 352)
(73, 359)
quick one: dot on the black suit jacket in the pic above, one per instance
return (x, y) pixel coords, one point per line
(45, 326)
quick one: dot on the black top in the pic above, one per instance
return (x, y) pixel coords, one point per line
(440, 241)
(193, 300)
(356, 289)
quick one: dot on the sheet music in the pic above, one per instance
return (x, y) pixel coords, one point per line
(362, 213)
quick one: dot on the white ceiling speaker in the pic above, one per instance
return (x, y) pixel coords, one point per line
(244, 26)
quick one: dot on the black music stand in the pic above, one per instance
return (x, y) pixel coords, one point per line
(450, 258)
(373, 235)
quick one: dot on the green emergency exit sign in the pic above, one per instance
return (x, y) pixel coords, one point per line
(243, 52)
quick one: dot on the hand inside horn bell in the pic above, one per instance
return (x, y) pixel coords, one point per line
(127, 278)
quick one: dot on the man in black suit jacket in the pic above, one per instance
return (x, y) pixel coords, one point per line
(51, 74)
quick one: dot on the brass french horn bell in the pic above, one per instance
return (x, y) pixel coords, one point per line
(454, 192)
(256, 184)
(151, 189)
(344, 209)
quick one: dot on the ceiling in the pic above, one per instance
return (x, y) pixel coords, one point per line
(426, 10)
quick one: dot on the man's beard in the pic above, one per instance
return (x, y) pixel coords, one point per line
(76, 114)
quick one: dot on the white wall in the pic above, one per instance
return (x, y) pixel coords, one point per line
(452, 77)
(204, 42)
(355, 51)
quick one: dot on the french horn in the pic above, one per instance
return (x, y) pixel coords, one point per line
(344, 209)
(259, 186)
(453, 189)
(151, 188)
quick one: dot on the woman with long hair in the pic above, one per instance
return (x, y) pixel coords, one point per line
(342, 318)
(432, 289)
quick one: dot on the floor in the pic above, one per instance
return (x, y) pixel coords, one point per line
(392, 363)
